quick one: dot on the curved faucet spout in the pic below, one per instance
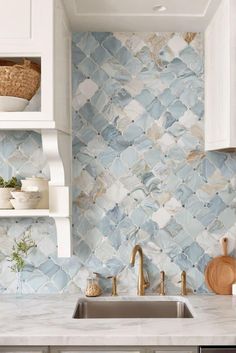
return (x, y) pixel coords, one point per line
(142, 284)
(136, 249)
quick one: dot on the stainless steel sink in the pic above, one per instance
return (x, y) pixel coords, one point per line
(91, 309)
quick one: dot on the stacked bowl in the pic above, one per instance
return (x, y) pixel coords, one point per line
(25, 199)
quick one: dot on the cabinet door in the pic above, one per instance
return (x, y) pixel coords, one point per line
(220, 79)
(94, 350)
(24, 349)
(217, 80)
(164, 349)
(15, 21)
(21, 29)
(175, 349)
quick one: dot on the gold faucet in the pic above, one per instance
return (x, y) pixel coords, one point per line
(142, 283)
(162, 283)
(114, 285)
(183, 283)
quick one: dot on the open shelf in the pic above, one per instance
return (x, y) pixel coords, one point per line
(24, 213)
(25, 121)
(34, 102)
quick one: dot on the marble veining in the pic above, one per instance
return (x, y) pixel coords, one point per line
(140, 174)
(47, 320)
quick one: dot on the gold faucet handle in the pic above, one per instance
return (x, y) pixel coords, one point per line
(161, 285)
(114, 285)
(161, 289)
(146, 279)
(183, 281)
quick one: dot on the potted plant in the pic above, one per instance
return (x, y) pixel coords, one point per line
(20, 251)
(6, 186)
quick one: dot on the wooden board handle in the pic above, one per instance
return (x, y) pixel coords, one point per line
(224, 243)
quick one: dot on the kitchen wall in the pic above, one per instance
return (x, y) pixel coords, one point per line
(140, 172)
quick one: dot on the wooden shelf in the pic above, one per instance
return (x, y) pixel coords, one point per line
(24, 213)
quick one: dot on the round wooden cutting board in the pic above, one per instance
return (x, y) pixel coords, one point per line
(220, 272)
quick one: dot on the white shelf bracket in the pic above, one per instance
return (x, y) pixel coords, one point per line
(57, 147)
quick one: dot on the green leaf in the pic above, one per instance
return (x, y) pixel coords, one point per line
(20, 251)
(11, 183)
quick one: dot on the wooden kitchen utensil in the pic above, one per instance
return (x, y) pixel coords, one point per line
(220, 272)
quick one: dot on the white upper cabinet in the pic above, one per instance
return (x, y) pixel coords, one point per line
(39, 30)
(220, 78)
(9, 27)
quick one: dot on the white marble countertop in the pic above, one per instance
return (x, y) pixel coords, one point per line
(47, 320)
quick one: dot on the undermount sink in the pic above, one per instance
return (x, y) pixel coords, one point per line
(128, 309)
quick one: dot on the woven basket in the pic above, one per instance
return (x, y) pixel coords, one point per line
(17, 80)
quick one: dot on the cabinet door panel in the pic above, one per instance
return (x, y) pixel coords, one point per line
(97, 351)
(106, 350)
(22, 349)
(176, 350)
(93, 350)
(15, 19)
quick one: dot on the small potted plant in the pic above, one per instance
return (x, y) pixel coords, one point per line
(20, 251)
(6, 186)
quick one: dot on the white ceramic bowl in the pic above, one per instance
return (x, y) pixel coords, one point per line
(5, 195)
(5, 204)
(24, 204)
(25, 195)
(37, 184)
(12, 104)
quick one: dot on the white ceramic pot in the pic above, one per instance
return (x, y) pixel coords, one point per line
(24, 204)
(5, 195)
(25, 195)
(37, 184)
(12, 104)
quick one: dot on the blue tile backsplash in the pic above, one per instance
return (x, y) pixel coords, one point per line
(139, 170)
